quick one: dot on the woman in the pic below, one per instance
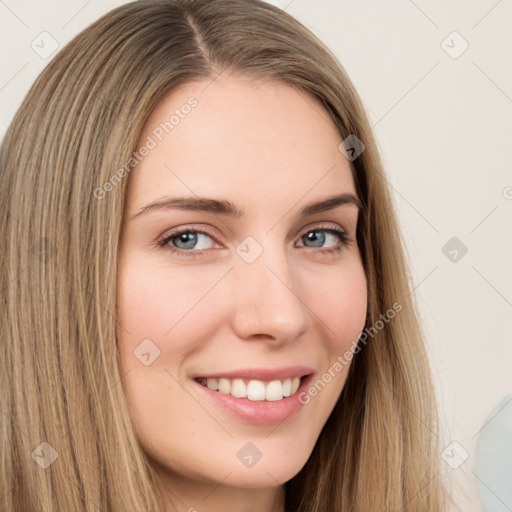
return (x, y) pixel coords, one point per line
(206, 300)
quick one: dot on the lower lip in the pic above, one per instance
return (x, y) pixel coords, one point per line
(258, 412)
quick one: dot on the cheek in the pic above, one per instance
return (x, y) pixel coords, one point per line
(159, 303)
(340, 305)
(164, 306)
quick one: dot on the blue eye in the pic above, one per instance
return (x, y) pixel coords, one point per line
(188, 240)
(319, 236)
(184, 242)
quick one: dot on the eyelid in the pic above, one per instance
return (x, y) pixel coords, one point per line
(184, 229)
(206, 231)
(322, 225)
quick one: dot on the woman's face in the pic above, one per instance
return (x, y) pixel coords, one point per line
(265, 296)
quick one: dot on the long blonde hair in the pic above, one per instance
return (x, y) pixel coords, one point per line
(60, 381)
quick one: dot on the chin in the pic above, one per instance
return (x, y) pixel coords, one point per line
(275, 467)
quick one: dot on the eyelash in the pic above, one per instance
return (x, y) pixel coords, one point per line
(194, 253)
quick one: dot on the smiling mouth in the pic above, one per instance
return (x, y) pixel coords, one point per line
(252, 389)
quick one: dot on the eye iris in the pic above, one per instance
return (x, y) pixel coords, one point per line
(316, 237)
(190, 239)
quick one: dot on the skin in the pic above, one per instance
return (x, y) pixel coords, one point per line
(270, 149)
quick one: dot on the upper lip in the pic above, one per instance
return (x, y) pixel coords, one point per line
(265, 374)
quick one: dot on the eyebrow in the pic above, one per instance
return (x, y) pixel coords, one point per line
(225, 207)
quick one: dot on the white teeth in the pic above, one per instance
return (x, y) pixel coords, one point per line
(287, 387)
(255, 390)
(212, 384)
(295, 384)
(274, 391)
(225, 386)
(238, 388)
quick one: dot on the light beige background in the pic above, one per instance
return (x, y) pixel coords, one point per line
(443, 120)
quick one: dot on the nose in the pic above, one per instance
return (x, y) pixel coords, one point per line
(267, 301)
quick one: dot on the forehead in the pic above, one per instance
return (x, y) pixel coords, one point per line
(241, 139)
